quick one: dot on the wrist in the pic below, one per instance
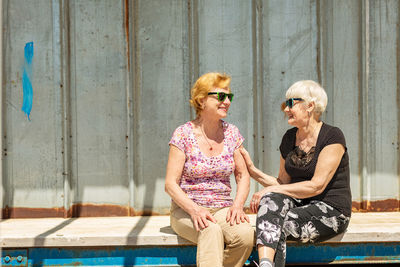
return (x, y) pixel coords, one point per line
(238, 204)
(193, 209)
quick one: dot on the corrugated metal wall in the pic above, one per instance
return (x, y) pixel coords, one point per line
(111, 82)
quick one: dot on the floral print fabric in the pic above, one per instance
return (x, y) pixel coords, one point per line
(206, 180)
(281, 217)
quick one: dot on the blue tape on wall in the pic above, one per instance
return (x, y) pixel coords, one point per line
(26, 80)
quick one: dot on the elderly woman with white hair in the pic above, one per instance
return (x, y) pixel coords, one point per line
(310, 200)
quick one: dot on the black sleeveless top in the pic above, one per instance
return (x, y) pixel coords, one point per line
(301, 166)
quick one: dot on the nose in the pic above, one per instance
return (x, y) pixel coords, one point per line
(227, 101)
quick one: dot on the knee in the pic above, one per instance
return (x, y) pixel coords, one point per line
(245, 236)
(212, 229)
(248, 237)
(274, 196)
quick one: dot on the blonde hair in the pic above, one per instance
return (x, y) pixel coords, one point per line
(309, 91)
(204, 85)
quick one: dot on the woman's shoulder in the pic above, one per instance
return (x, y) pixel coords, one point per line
(332, 130)
(332, 134)
(184, 127)
(229, 126)
(183, 130)
(292, 130)
(290, 133)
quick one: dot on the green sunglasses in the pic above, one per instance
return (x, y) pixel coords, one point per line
(222, 96)
(290, 102)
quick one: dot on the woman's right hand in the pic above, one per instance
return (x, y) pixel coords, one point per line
(200, 217)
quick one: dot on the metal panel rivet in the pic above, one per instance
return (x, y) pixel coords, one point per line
(7, 259)
(20, 258)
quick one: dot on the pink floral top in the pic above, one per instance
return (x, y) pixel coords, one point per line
(206, 180)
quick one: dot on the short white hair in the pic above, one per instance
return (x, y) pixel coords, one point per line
(309, 91)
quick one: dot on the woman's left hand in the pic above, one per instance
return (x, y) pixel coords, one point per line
(255, 200)
(236, 214)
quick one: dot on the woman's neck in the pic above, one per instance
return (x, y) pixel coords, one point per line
(210, 127)
(309, 130)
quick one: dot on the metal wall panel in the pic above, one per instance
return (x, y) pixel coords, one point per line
(340, 73)
(161, 94)
(381, 149)
(289, 54)
(225, 44)
(32, 162)
(98, 102)
(112, 80)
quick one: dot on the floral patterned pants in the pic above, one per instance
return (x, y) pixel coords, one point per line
(281, 217)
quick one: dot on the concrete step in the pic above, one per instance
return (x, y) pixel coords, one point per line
(155, 231)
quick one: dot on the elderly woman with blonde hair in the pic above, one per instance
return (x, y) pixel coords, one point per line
(310, 200)
(203, 154)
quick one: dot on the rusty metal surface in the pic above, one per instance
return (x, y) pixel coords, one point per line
(376, 206)
(90, 210)
(186, 256)
(111, 82)
(78, 210)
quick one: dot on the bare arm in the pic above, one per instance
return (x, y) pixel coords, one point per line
(176, 161)
(255, 173)
(283, 176)
(327, 164)
(242, 177)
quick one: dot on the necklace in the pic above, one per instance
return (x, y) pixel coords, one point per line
(205, 137)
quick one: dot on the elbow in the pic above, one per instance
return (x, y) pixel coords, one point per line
(167, 188)
(243, 178)
(317, 188)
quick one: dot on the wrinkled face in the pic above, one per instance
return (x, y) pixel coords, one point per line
(297, 114)
(213, 106)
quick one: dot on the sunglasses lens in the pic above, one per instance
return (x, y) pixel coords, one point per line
(221, 97)
(289, 103)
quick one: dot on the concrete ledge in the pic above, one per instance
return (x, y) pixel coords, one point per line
(155, 231)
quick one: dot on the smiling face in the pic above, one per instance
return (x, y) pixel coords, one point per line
(214, 107)
(298, 114)
(314, 104)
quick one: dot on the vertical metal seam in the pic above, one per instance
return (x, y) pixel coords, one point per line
(360, 102)
(319, 46)
(254, 21)
(136, 85)
(73, 133)
(332, 102)
(257, 77)
(125, 29)
(193, 25)
(398, 98)
(59, 98)
(5, 36)
(364, 105)
(262, 155)
(260, 89)
(2, 192)
(128, 138)
(66, 108)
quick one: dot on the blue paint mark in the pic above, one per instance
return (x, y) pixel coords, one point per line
(112, 256)
(26, 82)
(324, 253)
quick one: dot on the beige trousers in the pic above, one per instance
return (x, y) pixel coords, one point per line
(218, 244)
